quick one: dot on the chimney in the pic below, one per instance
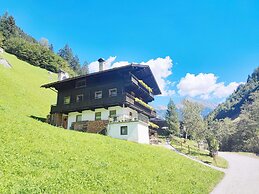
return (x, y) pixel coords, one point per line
(101, 62)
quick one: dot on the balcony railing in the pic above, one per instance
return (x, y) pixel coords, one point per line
(140, 84)
(127, 118)
(139, 106)
(125, 98)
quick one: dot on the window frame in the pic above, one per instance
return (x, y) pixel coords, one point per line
(110, 94)
(113, 115)
(64, 100)
(78, 96)
(123, 128)
(77, 116)
(95, 94)
(95, 116)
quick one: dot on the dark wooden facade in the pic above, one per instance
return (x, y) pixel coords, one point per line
(124, 79)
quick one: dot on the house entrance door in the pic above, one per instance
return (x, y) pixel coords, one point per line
(64, 121)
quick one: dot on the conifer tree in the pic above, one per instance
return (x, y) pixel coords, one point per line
(172, 118)
(84, 69)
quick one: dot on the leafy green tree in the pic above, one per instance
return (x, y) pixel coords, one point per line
(247, 136)
(220, 130)
(36, 55)
(193, 121)
(213, 145)
(172, 118)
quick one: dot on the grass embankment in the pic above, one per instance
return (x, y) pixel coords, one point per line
(38, 158)
(249, 154)
(190, 147)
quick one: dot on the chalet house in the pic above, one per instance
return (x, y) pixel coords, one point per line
(113, 102)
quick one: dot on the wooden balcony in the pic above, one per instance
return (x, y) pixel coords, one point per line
(139, 89)
(127, 118)
(132, 103)
(88, 104)
(124, 98)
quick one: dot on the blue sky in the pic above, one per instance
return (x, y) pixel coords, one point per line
(216, 42)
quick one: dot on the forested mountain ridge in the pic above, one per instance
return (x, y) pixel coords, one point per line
(232, 107)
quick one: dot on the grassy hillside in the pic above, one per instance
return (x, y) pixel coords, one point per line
(38, 158)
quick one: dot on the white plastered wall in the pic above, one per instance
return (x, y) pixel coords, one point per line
(71, 118)
(137, 131)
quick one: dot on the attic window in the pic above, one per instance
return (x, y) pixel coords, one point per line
(80, 83)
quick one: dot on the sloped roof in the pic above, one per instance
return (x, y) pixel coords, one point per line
(141, 71)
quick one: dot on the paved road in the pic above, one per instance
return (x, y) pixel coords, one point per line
(242, 176)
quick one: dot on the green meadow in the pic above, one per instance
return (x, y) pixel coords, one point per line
(38, 158)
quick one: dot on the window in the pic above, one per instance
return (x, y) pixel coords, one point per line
(80, 84)
(98, 94)
(79, 98)
(112, 113)
(67, 100)
(124, 130)
(98, 116)
(78, 118)
(113, 92)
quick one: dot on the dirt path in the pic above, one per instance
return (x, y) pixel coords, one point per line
(242, 176)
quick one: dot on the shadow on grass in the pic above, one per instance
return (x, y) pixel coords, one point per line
(207, 162)
(200, 154)
(42, 119)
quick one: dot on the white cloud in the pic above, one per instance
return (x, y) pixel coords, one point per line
(204, 86)
(119, 64)
(161, 68)
(222, 91)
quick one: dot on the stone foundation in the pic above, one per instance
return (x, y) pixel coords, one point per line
(90, 126)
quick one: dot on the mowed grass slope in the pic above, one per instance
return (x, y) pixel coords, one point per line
(38, 158)
(190, 147)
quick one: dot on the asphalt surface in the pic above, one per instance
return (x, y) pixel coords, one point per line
(242, 176)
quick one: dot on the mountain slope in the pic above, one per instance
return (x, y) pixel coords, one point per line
(231, 108)
(38, 158)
